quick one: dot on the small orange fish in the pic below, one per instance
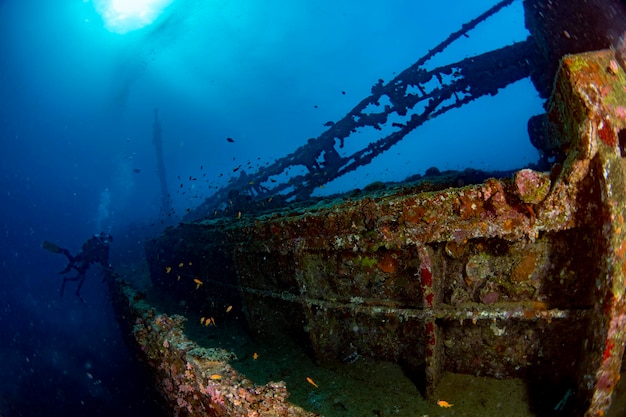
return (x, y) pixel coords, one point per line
(180, 265)
(310, 381)
(209, 321)
(444, 404)
(239, 215)
(215, 377)
(229, 308)
(201, 320)
(255, 356)
(168, 269)
(198, 282)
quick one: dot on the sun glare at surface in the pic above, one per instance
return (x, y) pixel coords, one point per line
(122, 16)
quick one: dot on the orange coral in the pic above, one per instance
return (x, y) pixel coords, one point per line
(387, 263)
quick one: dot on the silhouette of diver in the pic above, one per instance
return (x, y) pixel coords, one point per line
(94, 250)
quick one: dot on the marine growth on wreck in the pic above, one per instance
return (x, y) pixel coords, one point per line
(494, 278)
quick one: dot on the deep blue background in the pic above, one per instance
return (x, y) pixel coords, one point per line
(76, 115)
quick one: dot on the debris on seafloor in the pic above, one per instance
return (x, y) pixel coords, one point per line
(196, 381)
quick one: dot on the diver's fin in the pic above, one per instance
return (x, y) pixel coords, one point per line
(51, 247)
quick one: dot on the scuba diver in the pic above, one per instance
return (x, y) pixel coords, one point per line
(94, 250)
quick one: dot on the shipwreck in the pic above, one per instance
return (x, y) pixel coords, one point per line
(509, 276)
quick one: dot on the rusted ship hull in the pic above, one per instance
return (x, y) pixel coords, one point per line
(520, 277)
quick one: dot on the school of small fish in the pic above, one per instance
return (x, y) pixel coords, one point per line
(208, 321)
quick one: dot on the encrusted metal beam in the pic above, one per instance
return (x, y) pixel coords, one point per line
(414, 96)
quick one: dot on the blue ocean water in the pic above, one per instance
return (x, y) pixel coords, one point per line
(79, 83)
